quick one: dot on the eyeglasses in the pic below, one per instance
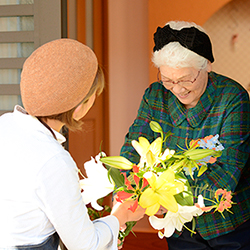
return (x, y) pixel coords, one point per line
(183, 83)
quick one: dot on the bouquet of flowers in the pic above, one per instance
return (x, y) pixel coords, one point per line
(159, 180)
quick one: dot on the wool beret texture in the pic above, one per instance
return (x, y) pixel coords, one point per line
(57, 76)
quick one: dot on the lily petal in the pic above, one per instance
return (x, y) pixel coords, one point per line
(142, 146)
(169, 202)
(155, 146)
(175, 221)
(97, 185)
(148, 198)
(160, 223)
(152, 209)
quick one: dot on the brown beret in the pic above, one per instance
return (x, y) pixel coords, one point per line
(57, 76)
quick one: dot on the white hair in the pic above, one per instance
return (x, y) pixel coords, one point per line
(175, 55)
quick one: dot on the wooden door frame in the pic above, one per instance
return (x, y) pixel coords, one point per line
(77, 29)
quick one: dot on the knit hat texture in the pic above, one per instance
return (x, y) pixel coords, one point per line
(57, 76)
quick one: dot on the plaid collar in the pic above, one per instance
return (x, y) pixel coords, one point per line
(195, 115)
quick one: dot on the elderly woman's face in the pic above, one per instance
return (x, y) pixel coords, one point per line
(187, 84)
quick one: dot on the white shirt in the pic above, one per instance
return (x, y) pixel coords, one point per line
(39, 190)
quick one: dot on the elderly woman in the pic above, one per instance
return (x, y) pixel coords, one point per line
(192, 102)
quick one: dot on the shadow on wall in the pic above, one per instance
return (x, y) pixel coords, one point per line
(229, 30)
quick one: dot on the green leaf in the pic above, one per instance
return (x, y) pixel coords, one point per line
(140, 183)
(167, 135)
(178, 164)
(202, 170)
(129, 191)
(116, 176)
(129, 227)
(184, 199)
(182, 178)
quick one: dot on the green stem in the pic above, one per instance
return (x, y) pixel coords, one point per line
(209, 200)
(189, 229)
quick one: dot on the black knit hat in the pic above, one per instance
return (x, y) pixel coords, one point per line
(190, 38)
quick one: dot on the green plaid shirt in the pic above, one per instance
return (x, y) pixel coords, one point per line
(223, 109)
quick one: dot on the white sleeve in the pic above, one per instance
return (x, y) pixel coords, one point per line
(59, 196)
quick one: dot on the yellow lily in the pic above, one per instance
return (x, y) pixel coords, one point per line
(151, 153)
(141, 146)
(146, 150)
(160, 192)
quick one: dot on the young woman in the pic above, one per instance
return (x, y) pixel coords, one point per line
(40, 195)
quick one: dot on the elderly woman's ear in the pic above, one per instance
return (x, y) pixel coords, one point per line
(209, 66)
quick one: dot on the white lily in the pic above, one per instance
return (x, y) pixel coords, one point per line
(97, 185)
(175, 221)
(167, 154)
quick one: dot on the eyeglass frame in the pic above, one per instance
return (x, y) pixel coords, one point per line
(173, 82)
